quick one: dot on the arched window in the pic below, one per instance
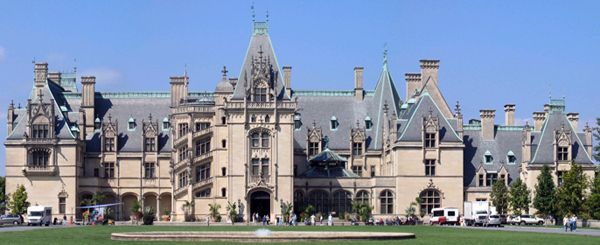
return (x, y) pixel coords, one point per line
(320, 200)
(298, 200)
(342, 202)
(362, 197)
(387, 202)
(264, 139)
(430, 199)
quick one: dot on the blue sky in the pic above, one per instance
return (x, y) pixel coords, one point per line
(491, 52)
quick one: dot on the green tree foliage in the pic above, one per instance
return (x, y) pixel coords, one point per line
(593, 201)
(570, 196)
(499, 196)
(545, 193)
(213, 209)
(2, 194)
(288, 208)
(519, 197)
(17, 202)
(362, 210)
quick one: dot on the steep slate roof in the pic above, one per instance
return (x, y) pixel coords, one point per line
(411, 122)
(385, 93)
(259, 42)
(544, 150)
(475, 149)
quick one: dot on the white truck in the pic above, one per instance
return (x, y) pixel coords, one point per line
(477, 213)
(39, 215)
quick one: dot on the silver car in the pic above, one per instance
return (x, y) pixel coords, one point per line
(493, 220)
(10, 219)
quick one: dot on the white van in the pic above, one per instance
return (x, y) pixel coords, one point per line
(39, 215)
(444, 216)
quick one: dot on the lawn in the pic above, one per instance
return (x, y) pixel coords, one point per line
(425, 235)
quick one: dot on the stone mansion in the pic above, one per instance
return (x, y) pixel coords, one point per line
(257, 142)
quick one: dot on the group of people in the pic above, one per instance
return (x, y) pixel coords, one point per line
(570, 223)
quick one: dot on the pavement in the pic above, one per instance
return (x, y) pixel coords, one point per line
(537, 229)
(9, 228)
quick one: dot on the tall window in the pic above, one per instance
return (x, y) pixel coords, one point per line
(258, 140)
(109, 170)
(372, 171)
(313, 148)
(429, 167)
(62, 205)
(183, 179)
(430, 199)
(260, 95)
(109, 144)
(342, 202)
(149, 144)
(357, 170)
(387, 202)
(183, 153)
(298, 200)
(255, 140)
(202, 146)
(149, 170)
(320, 200)
(562, 153)
(264, 166)
(183, 129)
(223, 192)
(264, 139)
(255, 166)
(511, 159)
(202, 172)
(297, 123)
(491, 178)
(362, 197)
(429, 140)
(202, 126)
(357, 148)
(203, 193)
(334, 123)
(39, 159)
(39, 131)
(481, 179)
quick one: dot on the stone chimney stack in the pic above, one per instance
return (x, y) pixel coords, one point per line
(429, 68)
(41, 74)
(573, 119)
(487, 124)
(178, 90)
(538, 120)
(413, 83)
(509, 115)
(287, 80)
(358, 83)
(54, 77)
(88, 91)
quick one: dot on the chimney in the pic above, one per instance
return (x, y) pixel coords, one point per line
(413, 83)
(287, 80)
(54, 77)
(88, 91)
(358, 83)
(41, 74)
(509, 115)
(487, 124)
(429, 68)
(538, 120)
(178, 90)
(10, 118)
(573, 119)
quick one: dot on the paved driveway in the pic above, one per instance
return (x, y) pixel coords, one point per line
(539, 229)
(7, 228)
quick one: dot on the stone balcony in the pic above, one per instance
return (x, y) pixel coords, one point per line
(180, 141)
(203, 132)
(203, 183)
(182, 163)
(40, 171)
(202, 157)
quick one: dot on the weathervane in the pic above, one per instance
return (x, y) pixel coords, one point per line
(253, 15)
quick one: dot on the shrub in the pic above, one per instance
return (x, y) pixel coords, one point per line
(149, 216)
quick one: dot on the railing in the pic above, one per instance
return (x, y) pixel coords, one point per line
(262, 105)
(181, 163)
(202, 132)
(202, 157)
(180, 191)
(202, 183)
(39, 170)
(180, 141)
(194, 109)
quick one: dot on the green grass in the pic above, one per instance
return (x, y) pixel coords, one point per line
(425, 235)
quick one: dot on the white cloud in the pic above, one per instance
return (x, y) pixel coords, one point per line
(2, 53)
(104, 76)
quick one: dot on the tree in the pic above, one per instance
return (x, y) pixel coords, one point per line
(593, 201)
(411, 210)
(362, 210)
(213, 209)
(519, 197)
(232, 211)
(545, 193)
(499, 196)
(570, 196)
(17, 202)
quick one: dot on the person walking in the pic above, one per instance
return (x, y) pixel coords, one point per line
(312, 219)
(574, 222)
(566, 223)
(330, 220)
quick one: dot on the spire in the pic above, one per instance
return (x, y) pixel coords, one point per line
(224, 71)
(253, 14)
(385, 54)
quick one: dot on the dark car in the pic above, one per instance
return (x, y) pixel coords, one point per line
(10, 219)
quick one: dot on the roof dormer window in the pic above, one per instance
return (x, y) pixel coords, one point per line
(368, 123)
(97, 123)
(334, 123)
(297, 122)
(487, 158)
(131, 124)
(510, 158)
(166, 124)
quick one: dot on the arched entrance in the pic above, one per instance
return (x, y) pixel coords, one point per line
(260, 202)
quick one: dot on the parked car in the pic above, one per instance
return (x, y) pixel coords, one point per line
(493, 220)
(10, 219)
(526, 219)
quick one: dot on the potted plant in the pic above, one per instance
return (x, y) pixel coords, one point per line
(136, 213)
(148, 216)
(166, 215)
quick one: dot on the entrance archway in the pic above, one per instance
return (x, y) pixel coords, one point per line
(260, 202)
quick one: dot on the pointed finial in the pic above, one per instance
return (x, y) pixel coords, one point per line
(150, 117)
(40, 95)
(314, 123)
(12, 104)
(109, 117)
(224, 71)
(267, 15)
(253, 15)
(457, 107)
(74, 65)
(385, 53)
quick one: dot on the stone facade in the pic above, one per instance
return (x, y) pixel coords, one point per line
(253, 141)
